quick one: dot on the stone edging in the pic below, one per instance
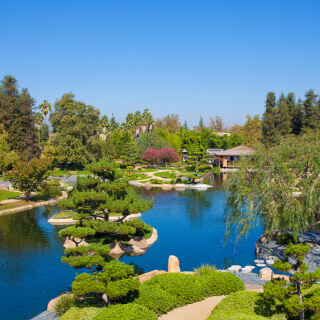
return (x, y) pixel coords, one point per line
(178, 187)
(153, 238)
(62, 222)
(50, 202)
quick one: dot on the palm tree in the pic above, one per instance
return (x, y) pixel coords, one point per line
(148, 119)
(45, 108)
(39, 120)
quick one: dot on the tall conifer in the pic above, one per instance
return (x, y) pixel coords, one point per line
(269, 130)
(310, 110)
(283, 117)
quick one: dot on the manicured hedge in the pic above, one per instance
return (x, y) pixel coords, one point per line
(220, 283)
(156, 299)
(185, 287)
(130, 311)
(84, 310)
(247, 305)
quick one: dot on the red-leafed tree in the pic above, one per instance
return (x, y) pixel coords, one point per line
(160, 156)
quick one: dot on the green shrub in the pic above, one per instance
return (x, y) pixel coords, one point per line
(66, 301)
(286, 238)
(156, 181)
(54, 192)
(204, 269)
(156, 299)
(178, 180)
(130, 311)
(216, 170)
(220, 283)
(249, 305)
(185, 287)
(85, 309)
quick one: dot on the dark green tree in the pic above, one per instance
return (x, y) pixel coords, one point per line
(44, 133)
(311, 119)
(283, 116)
(18, 118)
(291, 294)
(297, 118)
(269, 129)
(73, 124)
(185, 125)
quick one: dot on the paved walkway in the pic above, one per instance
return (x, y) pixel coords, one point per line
(200, 310)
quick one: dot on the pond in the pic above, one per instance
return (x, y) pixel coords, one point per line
(190, 225)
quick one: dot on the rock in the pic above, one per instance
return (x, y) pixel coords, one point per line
(139, 242)
(166, 187)
(62, 184)
(3, 187)
(69, 188)
(173, 264)
(53, 302)
(65, 195)
(70, 244)
(270, 262)
(258, 261)
(73, 172)
(248, 269)
(234, 268)
(117, 248)
(135, 251)
(281, 276)
(149, 275)
(180, 186)
(266, 274)
(11, 189)
(261, 265)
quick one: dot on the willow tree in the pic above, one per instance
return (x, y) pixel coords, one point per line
(267, 184)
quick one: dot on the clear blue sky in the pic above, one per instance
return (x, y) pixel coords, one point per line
(189, 57)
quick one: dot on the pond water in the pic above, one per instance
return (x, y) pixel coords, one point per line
(190, 225)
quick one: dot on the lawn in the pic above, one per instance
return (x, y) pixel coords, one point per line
(138, 176)
(146, 170)
(12, 205)
(4, 195)
(61, 173)
(166, 175)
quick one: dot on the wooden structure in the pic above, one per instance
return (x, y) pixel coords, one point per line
(229, 158)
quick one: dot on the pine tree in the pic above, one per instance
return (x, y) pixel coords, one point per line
(310, 110)
(18, 118)
(269, 130)
(185, 125)
(283, 117)
(297, 118)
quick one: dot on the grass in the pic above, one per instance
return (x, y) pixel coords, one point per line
(64, 215)
(138, 176)
(13, 205)
(4, 195)
(145, 181)
(148, 230)
(60, 173)
(146, 170)
(166, 175)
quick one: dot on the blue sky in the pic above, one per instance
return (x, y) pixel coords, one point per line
(189, 57)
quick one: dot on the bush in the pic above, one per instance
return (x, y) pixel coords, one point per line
(66, 301)
(216, 170)
(286, 238)
(184, 287)
(220, 283)
(130, 311)
(54, 192)
(85, 309)
(204, 269)
(156, 181)
(156, 299)
(247, 305)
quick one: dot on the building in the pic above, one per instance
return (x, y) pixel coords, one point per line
(229, 158)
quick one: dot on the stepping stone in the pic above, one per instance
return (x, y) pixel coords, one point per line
(234, 268)
(248, 269)
(261, 265)
(258, 261)
(270, 262)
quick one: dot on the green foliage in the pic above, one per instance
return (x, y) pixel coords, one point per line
(150, 140)
(65, 302)
(156, 299)
(77, 232)
(27, 176)
(245, 305)
(166, 174)
(44, 133)
(105, 169)
(53, 192)
(84, 309)
(88, 182)
(286, 238)
(184, 287)
(204, 269)
(264, 183)
(291, 294)
(4, 195)
(129, 311)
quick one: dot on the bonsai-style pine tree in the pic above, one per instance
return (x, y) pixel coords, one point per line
(93, 200)
(291, 293)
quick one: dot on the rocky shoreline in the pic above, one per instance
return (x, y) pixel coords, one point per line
(265, 249)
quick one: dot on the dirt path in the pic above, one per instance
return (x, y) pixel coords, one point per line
(200, 310)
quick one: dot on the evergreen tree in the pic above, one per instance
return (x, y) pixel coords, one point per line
(311, 119)
(18, 118)
(283, 117)
(269, 130)
(44, 133)
(297, 118)
(185, 125)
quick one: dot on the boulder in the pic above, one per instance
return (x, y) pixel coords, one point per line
(70, 244)
(62, 184)
(73, 172)
(266, 274)
(173, 264)
(117, 248)
(281, 276)
(136, 251)
(166, 187)
(69, 188)
(53, 302)
(11, 188)
(149, 275)
(65, 195)
(139, 242)
(3, 187)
